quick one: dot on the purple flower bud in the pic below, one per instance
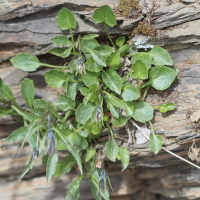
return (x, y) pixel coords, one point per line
(35, 155)
(81, 65)
(98, 113)
(50, 143)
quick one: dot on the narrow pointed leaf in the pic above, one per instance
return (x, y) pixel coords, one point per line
(90, 153)
(51, 166)
(69, 103)
(28, 91)
(89, 36)
(124, 157)
(166, 107)
(120, 41)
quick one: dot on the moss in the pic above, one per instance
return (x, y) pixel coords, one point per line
(145, 29)
(89, 8)
(129, 8)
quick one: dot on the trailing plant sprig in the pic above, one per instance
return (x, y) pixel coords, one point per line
(93, 72)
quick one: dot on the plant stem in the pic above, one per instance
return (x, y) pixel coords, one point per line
(134, 124)
(139, 89)
(48, 65)
(111, 132)
(145, 92)
(152, 129)
(5, 101)
(72, 37)
(126, 76)
(105, 25)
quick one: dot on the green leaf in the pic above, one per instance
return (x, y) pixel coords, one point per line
(28, 91)
(94, 127)
(61, 52)
(124, 157)
(16, 135)
(90, 78)
(161, 77)
(32, 139)
(115, 101)
(27, 168)
(143, 112)
(113, 109)
(96, 56)
(139, 70)
(61, 41)
(94, 188)
(73, 65)
(104, 50)
(120, 41)
(113, 60)
(31, 129)
(80, 142)
(39, 111)
(65, 165)
(166, 107)
(124, 49)
(120, 121)
(84, 91)
(66, 19)
(69, 102)
(39, 103)
(51, 166)
(90, 154)
(92, 65)
(90, 95)
(112, 80)
(144, 57)
(56, 78)
(160, 56)
(6, 92)
(26, 62)
(91, 44)
(112, 149)
(89, 36)
(83, 113)
(74, 187)
(104, 14)
(70, 148)
(129, 108)
(155, 143)
(130, 92)
(6, 111)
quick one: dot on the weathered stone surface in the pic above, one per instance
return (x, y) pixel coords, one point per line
(28, 26)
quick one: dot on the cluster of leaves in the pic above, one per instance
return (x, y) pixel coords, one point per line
(93, 72)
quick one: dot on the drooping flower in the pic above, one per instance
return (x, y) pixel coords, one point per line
(35, 154)
(50, 143)
(81, 65)
(99, 114)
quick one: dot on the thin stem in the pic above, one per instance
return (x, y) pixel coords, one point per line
(139, 89)
(72, 37)
(152, 129)
(105, 25)
(126, 76)
(111, 132)
(99, 80)
(48, 65)
(134, 124)
(145, 93)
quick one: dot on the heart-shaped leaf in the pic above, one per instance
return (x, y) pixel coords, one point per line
(120, 41)
(56, 78)
(142, 112)
(160, 56)
(28, 91)
(155, 143)
(61, 40)
(144, 57)
(66, 19)
(120, 121)
(113, 60)
(139, 70)
(26, 62)
(166, 107)
(161, 77)
(130, 92)
(124, 157)
(112, 80)
(104, 14)
(112, 149)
